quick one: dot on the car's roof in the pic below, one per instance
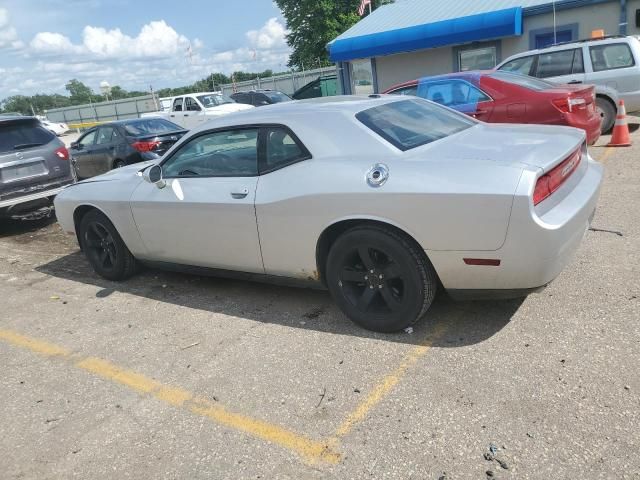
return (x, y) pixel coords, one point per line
(17, 118)
(575, 44)
(311, 108)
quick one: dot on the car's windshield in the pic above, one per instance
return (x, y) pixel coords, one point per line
(214, 99)
(410, 123)
(150, 127)
(277, 97)
(523, 81)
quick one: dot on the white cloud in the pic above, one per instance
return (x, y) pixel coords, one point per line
(270, 36)
(8, 33)
(156, 39)
(157, 56)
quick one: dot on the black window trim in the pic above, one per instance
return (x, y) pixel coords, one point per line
(261, 149)
(604, 45)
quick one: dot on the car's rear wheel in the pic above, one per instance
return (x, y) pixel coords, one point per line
(380, 279)
(607, 112)
(104, 248)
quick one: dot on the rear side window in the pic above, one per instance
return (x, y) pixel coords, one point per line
(23, 135)
(177, 104)
(408, 124)
(282, 149)
(563, 62)
(611, 56)
(519, 65)
(523, 81)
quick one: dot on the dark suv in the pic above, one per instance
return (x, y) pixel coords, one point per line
(34, 166)
(259, 98)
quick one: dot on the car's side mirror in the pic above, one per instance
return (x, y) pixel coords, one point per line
(153, 175)
(263, 102)
(76, 146)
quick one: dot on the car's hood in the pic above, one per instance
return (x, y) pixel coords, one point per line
(540, 146)
(228, 108)
(124, 173)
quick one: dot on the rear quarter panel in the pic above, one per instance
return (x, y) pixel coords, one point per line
(444, 204)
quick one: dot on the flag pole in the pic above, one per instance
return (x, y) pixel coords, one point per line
(370, 8)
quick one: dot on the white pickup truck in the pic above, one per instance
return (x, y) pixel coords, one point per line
(192, 110)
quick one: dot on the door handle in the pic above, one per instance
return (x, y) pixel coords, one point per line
(239, 193)
(172, 115)
(573, 82)
(478, 112)
(186, 114)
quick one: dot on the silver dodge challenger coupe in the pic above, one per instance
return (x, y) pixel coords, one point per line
(380, 200)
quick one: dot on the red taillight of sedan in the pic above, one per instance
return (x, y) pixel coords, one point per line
(145, 146)
(569, 104)
(62, 153)
(552, 181)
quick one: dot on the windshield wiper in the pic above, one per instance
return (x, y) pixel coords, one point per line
(22, 146)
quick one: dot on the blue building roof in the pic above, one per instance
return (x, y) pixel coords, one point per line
(408, 25)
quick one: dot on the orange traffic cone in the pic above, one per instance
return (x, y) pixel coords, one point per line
(620, 137)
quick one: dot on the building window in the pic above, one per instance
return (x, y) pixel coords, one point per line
(361, 77)
(545, 37)
(476, 56)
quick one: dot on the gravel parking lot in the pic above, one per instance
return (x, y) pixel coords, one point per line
(176, 376)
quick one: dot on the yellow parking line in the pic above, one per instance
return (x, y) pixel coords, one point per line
(387, 383)
(607, 153)
(311, 450)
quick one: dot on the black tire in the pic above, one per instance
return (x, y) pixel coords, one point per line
(607, 111)
(108, 255)
(369, 299)
(119, 164)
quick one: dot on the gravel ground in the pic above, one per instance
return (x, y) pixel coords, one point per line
(176, 376)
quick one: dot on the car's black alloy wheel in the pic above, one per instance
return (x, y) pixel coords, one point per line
(380, 278)
(105, 250)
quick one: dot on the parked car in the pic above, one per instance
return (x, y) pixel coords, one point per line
(325, 86)
(190, 111)
(503, 97)
(116, 144)
(417, 195)
(259, 98)
(57, 128)
(34, 166)
(612, 64)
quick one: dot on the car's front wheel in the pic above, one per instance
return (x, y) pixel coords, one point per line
(380, 278)
(104, 248)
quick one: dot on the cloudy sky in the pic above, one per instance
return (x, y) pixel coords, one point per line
(134, 44)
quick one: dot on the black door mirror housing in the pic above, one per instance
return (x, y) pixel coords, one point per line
(153, 175)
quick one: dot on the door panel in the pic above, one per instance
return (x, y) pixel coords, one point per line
(205, 215)
(83, 154)
(207, 222)
(104, 149)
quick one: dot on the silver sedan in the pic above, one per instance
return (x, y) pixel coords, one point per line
(380, 200)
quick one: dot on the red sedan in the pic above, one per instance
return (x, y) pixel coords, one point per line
(503, 97)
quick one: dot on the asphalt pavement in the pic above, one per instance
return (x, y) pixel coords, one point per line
(184, 377)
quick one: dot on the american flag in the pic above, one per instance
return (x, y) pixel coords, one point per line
(363, 5)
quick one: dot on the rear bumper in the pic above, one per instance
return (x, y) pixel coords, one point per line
(49, 191)
(540, 241)
(591, 126)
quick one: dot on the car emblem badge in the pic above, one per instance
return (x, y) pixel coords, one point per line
(377, 175)
(19, 155)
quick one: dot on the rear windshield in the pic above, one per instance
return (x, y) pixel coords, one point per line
(410, 123)
(151, 127)
(213, 100)
(277, 97)
(523, 81)
(23, 135)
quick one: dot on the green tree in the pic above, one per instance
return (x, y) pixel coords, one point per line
(80, 93)
(313, 24)
(118, 93)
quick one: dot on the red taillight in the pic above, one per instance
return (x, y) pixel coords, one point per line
(145, 146)
(550, 182)
(487, 262)
(568, 104)
(62, 153)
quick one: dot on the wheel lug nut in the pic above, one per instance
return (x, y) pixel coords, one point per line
(370, 286)
(371, 271)
(380, 276)
(366, 277)
(379, 286)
